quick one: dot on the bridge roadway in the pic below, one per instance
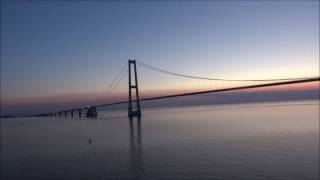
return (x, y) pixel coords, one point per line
(189, 94)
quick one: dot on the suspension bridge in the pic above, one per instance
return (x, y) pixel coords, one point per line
(134, 100)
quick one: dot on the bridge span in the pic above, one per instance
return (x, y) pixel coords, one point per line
(91, 111)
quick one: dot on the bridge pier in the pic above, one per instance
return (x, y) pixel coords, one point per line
(71, 113)
(65, 114)
(92, 112)
(79, 112)
(131, 112)
(59, 114)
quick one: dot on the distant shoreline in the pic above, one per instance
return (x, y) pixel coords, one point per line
(186, 105)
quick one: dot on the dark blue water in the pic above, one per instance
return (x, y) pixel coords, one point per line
(253, 141)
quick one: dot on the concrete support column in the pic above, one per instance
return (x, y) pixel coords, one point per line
(131, 112)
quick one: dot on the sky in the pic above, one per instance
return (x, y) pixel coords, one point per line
(70, 51)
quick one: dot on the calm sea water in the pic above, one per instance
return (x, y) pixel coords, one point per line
(253, 141)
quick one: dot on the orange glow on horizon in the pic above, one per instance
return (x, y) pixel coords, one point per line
(290, 87)
(96, 98)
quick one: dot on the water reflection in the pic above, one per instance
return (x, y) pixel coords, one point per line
(204, 142)
(136, 162)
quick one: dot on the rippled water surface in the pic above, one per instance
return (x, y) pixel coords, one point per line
(253, 141)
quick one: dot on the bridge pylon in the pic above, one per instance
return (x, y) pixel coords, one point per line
(131, 111)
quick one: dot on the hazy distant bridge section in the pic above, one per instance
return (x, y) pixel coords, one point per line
(134, 99)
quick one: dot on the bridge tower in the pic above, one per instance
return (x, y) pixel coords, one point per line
(131, 111)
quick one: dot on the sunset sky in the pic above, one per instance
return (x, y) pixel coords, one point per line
(71, 51)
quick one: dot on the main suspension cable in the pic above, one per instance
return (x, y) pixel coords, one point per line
(213, 79)
(114, 82)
